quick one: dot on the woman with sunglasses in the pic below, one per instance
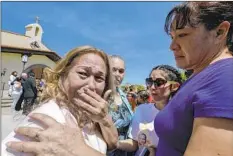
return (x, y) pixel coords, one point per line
(163, 83)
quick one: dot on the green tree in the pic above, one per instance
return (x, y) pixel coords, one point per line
(183, 76)
(136, 87)
(140, 87)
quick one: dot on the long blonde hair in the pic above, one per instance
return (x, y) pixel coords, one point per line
(54, 88)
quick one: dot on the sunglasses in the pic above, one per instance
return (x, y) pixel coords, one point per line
(157, 82)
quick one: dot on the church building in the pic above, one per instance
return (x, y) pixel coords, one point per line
(25, 53)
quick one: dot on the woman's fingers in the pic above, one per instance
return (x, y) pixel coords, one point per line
(39, 148)
(44, 119)
(88, 99)
(87, 107)
(96, 96)
(30, 132)
(95, 101)
(92, 94)
(26, 147)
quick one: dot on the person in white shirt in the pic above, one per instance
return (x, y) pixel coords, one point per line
(163, 83)
(17, 90)
(76, 95)
(11, 79)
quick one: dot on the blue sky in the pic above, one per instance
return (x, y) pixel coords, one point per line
(133, 30)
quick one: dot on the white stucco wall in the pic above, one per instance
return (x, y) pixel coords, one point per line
(12, 62)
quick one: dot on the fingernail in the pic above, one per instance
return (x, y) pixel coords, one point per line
(8, 144)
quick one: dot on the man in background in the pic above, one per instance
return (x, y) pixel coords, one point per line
(30, 93)
(18, 105)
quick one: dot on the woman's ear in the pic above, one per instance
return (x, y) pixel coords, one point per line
(175, 86)
(222, 31)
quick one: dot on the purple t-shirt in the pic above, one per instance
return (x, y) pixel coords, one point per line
(207, 94)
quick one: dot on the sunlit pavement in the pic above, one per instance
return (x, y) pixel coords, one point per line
(7, 122)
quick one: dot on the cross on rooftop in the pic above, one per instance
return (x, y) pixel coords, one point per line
(37, 19)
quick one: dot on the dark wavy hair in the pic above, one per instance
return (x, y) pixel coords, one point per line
(14, 72)
(144, 95)
(210, 14)
(172, 75)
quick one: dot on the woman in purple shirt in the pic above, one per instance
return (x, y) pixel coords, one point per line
(198, 121)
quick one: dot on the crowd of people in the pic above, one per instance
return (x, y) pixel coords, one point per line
(25, 91)
(140, 96)
(83, 110)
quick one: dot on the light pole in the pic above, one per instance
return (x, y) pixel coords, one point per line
(3, 83)
(24, 60)
(3, 72)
